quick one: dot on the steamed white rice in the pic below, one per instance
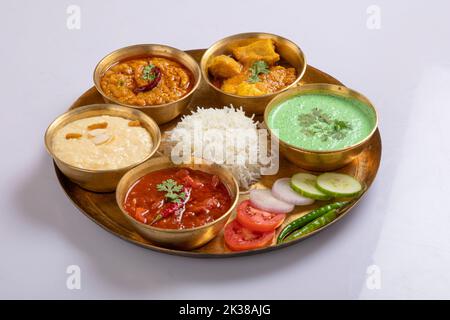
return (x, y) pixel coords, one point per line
(221, 135)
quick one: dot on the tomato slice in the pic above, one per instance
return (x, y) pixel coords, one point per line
(239, 238)
(258, 220)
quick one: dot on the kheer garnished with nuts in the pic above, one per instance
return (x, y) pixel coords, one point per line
(102, 143)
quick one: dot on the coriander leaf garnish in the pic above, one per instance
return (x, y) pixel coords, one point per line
(173, 190)
(256, 69)
(320, 124)
(147, 73)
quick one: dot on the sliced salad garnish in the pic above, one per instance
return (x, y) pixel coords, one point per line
(239, 238)
(338, 185)
(258, 220)
(266, 210)
(282, 190)
(264, 200)
(305, 184)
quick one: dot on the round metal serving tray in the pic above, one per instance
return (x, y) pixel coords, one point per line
(103, 210)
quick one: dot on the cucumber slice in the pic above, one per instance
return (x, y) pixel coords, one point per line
(305, 184)
(338, 184)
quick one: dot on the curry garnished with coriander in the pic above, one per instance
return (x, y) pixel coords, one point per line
(147, 81)
(252, 69)
(177, 198)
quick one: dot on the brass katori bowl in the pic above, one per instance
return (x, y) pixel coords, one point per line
(185, 239)
(320, 160)
(161, 113)
(99, 180)
(288, 51)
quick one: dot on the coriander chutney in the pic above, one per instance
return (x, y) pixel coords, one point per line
(322, 122)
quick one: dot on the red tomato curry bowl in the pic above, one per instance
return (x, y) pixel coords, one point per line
(177, 206)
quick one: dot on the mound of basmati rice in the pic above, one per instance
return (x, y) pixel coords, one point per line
(204, 133)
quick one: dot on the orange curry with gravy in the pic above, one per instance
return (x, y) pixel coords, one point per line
(147, 81)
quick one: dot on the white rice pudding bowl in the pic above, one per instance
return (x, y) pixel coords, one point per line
(115, 146)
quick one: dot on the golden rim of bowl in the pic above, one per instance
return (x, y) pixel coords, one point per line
(178, 51)
(246, 35)
(141, 115)
(324, 88)
(222, 217)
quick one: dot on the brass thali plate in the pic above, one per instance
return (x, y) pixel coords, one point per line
(103, 210)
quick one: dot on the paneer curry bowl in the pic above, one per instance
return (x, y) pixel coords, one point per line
(180, 206)
(249, 69)
(156, 79)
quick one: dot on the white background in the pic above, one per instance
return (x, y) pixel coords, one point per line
(402, 226)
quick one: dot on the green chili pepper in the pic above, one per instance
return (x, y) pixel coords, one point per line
(304, 220)
(313, 226)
